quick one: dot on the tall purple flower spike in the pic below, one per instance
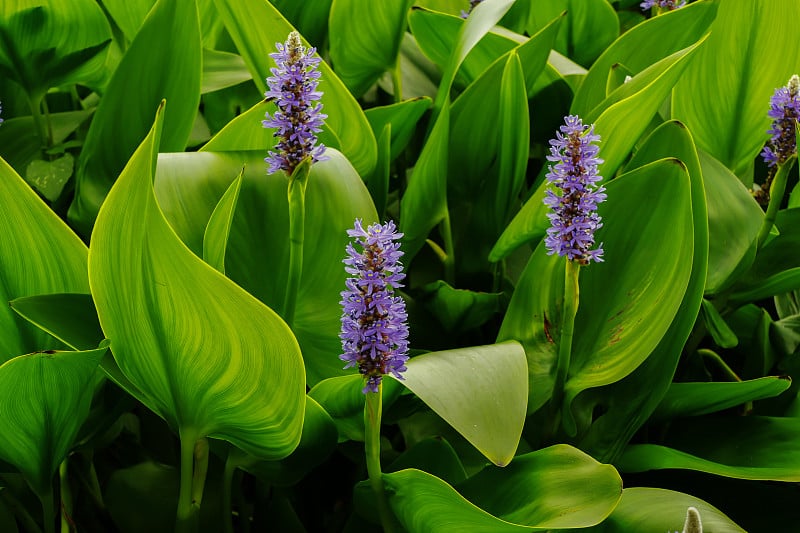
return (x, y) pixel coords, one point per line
(663, 4)
(293, 87)
(374, 322)
(784, 110)
(574, 219)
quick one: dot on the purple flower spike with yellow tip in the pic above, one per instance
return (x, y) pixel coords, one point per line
(784, 110)
(293, 87)
(374, 320)
(574, 219)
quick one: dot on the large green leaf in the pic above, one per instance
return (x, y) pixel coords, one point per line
(142, 79)
(424, 204)
(44, 399)
(557, 487)
(481, 391)
(365, 46)
(643, 46)
(734, 219)
(207, 356)
(257, 255)
(750, 447)
(128, 14)
(626, 407)
(310, 18)
(652, 509)
(43, 45)
(38, 255)
(694, 399)
(730, 122)
(403, 118)
(628, 302)
(70, 318)
(589, 28)
(255, 26)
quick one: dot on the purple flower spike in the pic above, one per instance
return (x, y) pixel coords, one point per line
(663, 4)
(374, 329)
(1, 110)
(472, 5)
(574, 218)
(293, 87)
(784, 110)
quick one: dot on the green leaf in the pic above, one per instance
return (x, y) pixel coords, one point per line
(20, 144)
(749, 447)
(128, 14)
(317, 442)
(695, 399)
(642, 46)
(481, 391)
(222, 70)
(424, 204)
(70, 318)
(569, 488)
(623, 122)
(39, 254)
(259, 244)
(208, 357)
(44, 399)
(364, 47)
(652, 509)
(52, 44)
(734, 218)
(50, 177)
(403, 117)
(627, 302)
(312, 23)
(435, 456)
(588, 30)
(458, 309)
(255, 26)
(215, 240)
(189, 186)
(722, 334)
(733, 128)
(137, 86)
(626, 406)
(343, 399)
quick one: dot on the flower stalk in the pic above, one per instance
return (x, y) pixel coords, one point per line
(373, 408)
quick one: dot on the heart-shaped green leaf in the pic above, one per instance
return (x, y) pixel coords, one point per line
(44, 399)
(751, 447)
(733, 128)
(481, 391)
(137, 86)
(255, 26)
(557, 487)
(207, 356)
(49, 177)
(38, 255)
(364, 47)
(695, 399)
(651, 509)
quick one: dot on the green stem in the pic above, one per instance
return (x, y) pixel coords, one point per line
(714, 356)
(66, 499)
(297, 218)
(397, 81)
(227, 493)
(450, 259)
(187, 516)
(372, 446)
(776, 192)
(48, 511)
(48, 122)
(570, 309)
(20, 512)
(35, 102)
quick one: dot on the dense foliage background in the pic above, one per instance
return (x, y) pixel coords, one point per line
(148, 362)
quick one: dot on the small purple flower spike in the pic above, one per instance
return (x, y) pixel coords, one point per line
(472, 5)
(784, 110)
(293, 87)
(1, 110)
(574, 218)
(663, 4)
(374, 322)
